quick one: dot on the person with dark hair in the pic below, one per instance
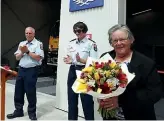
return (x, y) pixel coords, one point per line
(137, 102)
(79, 50)
(82, 26)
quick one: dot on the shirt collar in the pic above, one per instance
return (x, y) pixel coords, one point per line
(32, 42)
(81, 41)
(127, 61)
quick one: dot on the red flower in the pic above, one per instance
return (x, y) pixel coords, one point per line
(82, 76)
(123, 81)
(98, 66)
(105, 88)
(102, 64)
(109, 61)
(122, 77)
(123, 85)
(105, 84)
(96, 63)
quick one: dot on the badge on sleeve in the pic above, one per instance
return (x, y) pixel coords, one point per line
(41, 46)
(95, 47)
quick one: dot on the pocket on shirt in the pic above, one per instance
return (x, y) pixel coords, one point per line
(33, 50)
(85, 53)
(85, 50)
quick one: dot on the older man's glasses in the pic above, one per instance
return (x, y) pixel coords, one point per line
(28, 33)
(120, 40)
(77, 30)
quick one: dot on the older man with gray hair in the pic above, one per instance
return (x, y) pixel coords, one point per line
(30, 54)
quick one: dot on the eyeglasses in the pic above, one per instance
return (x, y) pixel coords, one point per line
(120, 40)
(28, 33)
(77, 30)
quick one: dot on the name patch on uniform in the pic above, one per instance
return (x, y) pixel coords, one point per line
(95, 47)
(41, 46)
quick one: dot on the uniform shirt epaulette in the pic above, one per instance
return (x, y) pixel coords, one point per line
(38, 40)
(91, 40)
(72, 40)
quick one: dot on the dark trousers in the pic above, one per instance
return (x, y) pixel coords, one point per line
(26, 83)
(87, 100)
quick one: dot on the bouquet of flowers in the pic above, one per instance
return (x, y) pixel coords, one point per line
(103, 79)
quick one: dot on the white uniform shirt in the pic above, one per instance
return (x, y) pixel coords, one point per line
(85, 47)
(34, 46)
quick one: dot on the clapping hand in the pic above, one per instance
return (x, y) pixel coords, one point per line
(78, 57)
(68, 59)
(23, 49)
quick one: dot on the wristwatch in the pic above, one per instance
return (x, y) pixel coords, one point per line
(27, 52)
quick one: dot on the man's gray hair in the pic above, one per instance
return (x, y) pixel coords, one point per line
(33, 30)
(120, 27)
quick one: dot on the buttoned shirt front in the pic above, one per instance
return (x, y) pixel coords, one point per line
(85, 47)
(34, 46)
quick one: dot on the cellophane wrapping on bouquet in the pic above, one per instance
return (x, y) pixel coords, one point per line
(103, 78)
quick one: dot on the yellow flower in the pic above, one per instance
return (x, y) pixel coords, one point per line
(82, 87)
(96, 76)
(88, 69)
(107, 73)
(81, 81)
(110, 85)
(117, 71)
(99, 90)
(112, 65)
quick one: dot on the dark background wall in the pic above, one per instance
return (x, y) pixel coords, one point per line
(18, 14)
(148, 28)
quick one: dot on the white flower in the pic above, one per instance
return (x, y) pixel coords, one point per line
(114, 81)
(91, 83)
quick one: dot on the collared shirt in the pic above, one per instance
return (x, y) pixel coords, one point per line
(85, 47)
(34, 46)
